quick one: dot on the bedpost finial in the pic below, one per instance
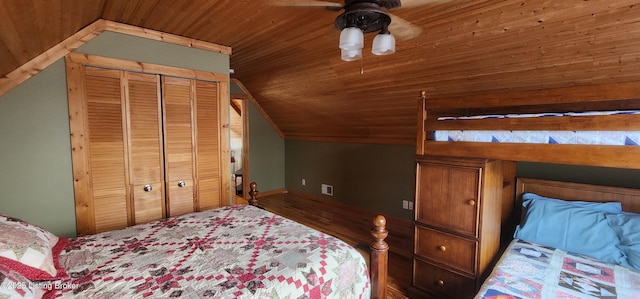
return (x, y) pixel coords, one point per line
(253, 192)
(379, 232)
(423, 94)
(379, 221)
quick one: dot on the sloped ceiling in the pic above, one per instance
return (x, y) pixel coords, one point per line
(289, 60)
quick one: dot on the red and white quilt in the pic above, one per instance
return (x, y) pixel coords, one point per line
(532, 271)
(231, 252)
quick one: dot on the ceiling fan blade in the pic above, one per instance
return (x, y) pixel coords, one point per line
(414, 3)
(307, 3)
(403, 29)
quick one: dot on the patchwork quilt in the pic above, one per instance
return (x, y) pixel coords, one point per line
(528, 270)
(232, 252)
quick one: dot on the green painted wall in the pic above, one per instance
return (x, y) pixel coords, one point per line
(235, 89)
(266, 153)
(118, 45)
(371, 176)
(379, 177)
(36, 181)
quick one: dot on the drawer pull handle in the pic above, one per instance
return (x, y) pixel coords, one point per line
(440, 282)
(471, 202)
(442, 248)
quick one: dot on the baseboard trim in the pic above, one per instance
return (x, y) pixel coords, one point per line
(271, 192)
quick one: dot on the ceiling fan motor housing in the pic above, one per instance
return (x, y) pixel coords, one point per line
(366, 15)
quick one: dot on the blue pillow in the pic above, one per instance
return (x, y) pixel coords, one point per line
(627, 226)
(569, 227)
(610, 207)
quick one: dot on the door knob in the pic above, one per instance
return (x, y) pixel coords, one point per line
(181, 184)
(147, 188)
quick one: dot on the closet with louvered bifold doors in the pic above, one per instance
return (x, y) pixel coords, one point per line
(145, 145)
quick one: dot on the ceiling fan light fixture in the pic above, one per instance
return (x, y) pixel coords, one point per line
(351, 38)
(384, 44)
(351, 55)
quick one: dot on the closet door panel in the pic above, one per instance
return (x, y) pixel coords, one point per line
(208, 158)
(178, 141)
(145, 146)
(145, 139)
(107, 145)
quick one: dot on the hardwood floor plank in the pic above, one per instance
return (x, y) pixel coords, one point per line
(352, 225)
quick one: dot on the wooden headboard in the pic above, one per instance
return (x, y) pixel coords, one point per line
(630, 198)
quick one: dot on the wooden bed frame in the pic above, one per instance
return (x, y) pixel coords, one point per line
(629, 198)
(379, 255)
(603, 97)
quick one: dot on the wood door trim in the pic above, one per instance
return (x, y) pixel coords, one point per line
(194, 144)
(126, 140)
(145, 67)
(245, 149)
(78, 120)
(160, 102)
(165, 157)
(224, 136)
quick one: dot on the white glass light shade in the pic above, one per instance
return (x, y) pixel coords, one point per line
(351, 38)
(351, 55)
(384, 44)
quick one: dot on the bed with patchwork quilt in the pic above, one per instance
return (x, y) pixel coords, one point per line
(233, 252)
(238, 251)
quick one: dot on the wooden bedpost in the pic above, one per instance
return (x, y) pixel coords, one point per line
(422, 117)
(253, 192)
(379, 258)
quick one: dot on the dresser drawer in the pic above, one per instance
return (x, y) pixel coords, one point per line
(447, 249)
(441, 282)
(449, 198)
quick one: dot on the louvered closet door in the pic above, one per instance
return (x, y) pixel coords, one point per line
(179, 145)
(105, 108)
(146, 153)
(208, 145)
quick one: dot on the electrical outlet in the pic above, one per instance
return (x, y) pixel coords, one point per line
(304, 182)
(405, 204)
(411, 205)
(327, 189)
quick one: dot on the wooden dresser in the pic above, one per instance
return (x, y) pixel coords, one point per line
(457, 225)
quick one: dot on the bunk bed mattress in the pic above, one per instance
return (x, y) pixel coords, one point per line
(529, 270)
(593, 137)
(550, 137)
(232, 252)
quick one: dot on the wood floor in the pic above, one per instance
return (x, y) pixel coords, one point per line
(353, 225)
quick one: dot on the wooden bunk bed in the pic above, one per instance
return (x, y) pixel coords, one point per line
(604, 97)
(613, 107)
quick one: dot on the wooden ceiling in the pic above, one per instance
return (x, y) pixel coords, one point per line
(289, 60)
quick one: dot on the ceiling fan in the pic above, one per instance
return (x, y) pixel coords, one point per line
(364, 16)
